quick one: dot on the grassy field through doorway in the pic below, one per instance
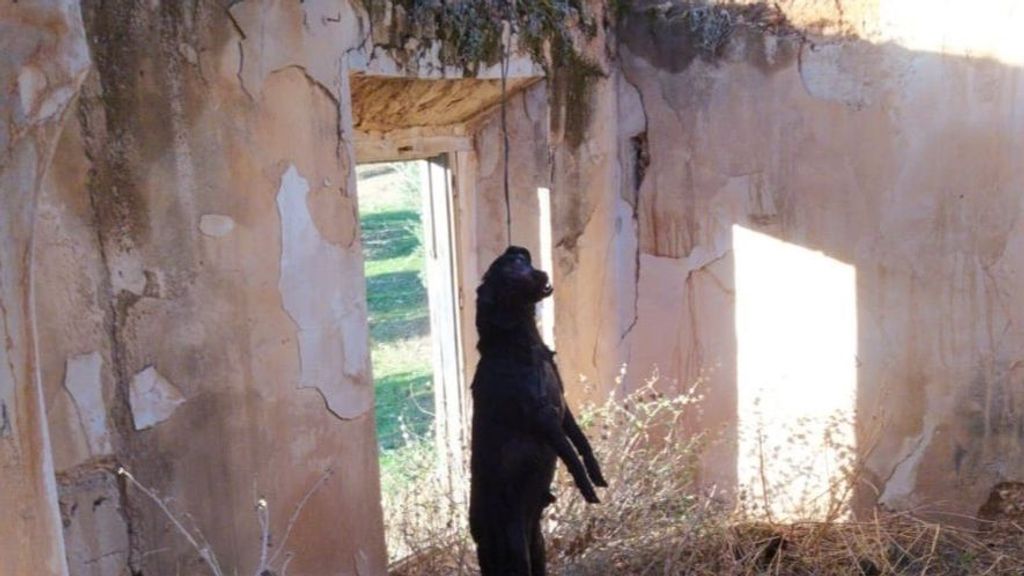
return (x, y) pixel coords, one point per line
(392, 235)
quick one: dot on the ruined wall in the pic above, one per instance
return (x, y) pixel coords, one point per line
(529, 169)
(894, 158)
(592, 227)
(201, 293)
(200, 305)
(480, 173)
(44, 59)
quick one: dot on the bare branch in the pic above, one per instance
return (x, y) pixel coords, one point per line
(203, 549)
(298, 510)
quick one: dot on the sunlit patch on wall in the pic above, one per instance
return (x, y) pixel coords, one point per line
(796, 330)
(546, 308)
(979, 29)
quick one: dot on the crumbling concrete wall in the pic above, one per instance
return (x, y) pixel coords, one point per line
(43, 62)
(202, 296)
(899, 160)
(482, 211)
(592, 229)
(529, 169)
(198, 287)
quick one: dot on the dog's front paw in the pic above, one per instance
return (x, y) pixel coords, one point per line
(590, 496)
(549, 499)
(594, 471)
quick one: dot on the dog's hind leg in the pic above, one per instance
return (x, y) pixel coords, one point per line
(538, 560)
(515, 559)
(487, 534)
(485, 556)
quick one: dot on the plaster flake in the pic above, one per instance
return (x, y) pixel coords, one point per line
(8, 379)
(49, 38)
(6, 428)
(38, 99)
(31, 85)
(314, 35)
(153, 398)
(216, 225)
(126, 273)
(84, 383)
(903, 480)
(322, 291)
(94, 528)
(53, 104)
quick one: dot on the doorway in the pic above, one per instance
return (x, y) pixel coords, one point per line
(406, 213)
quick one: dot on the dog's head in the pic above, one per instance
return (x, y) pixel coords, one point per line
(509, 290)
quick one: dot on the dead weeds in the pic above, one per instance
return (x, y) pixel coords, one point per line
(657, 519)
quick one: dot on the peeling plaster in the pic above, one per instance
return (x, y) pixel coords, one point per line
(8, 375)
(323, 294)
(8, 379)
(901, 483)
(634, 162)
(314, 35)
(5, 421)
(94, 527)
(216, 225)
(49, 38)
(126, 273)
(84, 384)
(31, 85)
(153, 398)
(38, 98)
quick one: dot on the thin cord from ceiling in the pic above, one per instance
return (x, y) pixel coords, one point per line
(505, 58)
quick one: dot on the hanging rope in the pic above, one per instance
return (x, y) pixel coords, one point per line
(505, 57)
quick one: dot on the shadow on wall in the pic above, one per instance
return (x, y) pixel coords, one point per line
(829, 231)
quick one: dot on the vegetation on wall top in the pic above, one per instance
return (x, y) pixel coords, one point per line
(470, 31)
(470, 34)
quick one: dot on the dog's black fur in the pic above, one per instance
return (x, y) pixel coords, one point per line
(521, 423)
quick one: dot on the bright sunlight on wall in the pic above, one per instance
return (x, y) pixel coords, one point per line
(980, 29)
(796, 330)
(547, 264)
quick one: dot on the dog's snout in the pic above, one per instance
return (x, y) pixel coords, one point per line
(543, 283)
(519, 252)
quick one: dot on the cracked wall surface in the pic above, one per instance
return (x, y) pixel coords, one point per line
(201, 289)
(329, 315)
(592, 234)
(896, 161)
(44, 59)
(196, 236)
(479, 178)
(170, 264)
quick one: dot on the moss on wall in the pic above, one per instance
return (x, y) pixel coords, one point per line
(671, 35)
(469, 33)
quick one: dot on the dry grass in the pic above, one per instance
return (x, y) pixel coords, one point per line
(656, 519)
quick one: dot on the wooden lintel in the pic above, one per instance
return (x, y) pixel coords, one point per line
(409, 144)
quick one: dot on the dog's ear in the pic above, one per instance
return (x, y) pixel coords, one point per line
(491, 309)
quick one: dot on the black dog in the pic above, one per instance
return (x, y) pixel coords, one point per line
(521, 423)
